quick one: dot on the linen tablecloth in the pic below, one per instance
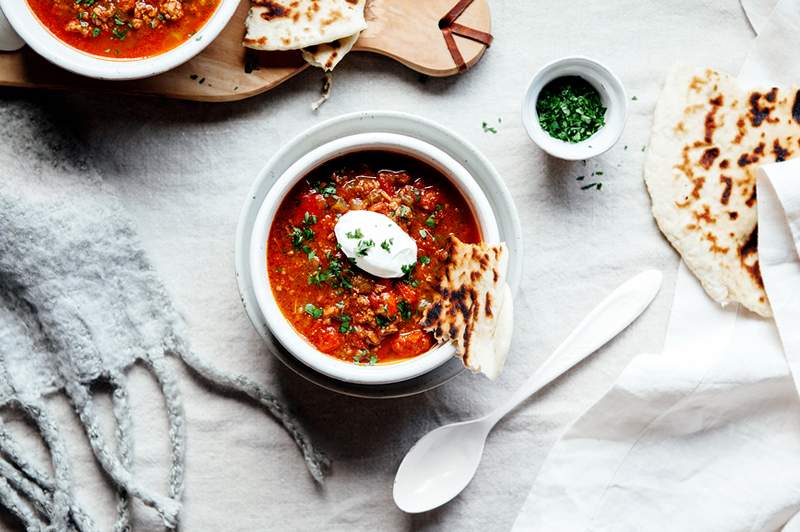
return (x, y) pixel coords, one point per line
(183, 170)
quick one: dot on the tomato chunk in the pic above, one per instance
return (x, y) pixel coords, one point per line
(311, 203)
(411, 344)
(325, 338)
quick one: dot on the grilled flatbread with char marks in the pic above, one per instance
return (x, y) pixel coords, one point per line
(327, 56)
(475, 307)
(295, 24)
(709, 136)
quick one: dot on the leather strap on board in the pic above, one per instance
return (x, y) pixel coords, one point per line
(450, 27)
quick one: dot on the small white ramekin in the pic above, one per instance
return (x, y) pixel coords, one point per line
(38, 37)
(280, 327)
(611, 91)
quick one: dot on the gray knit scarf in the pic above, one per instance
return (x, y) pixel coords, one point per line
(79, 304)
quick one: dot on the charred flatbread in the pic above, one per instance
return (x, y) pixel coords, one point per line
(475, 308)
(709, 136)
(296, 24)
(327, 56)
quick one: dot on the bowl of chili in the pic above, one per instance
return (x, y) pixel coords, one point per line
(332, 317)
(574, 108)
(118, 39)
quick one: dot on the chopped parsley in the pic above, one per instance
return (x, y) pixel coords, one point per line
(403, 211)
(300, 235)
(309, 219)
(382, 320)
(364, 246)
(487, 128)
(120, 33)
(424, 259)
(570, 109)
(313, 311)
(334, 275)
(309, 252)
(373, 359)
(386, 244)
(430, 221)
(344, 323)
(404, 309)
(326, 189)
(408, 274)
(423, 233)
(355, 234)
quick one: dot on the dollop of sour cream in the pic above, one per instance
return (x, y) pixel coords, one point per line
(377, 244)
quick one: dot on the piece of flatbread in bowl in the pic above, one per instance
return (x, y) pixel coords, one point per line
(709, 136)
(474, 310)
(296, 24)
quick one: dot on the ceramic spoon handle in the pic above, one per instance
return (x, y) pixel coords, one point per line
(608, 319)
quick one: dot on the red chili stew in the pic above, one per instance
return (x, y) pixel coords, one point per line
(127, 29)
(342, 310)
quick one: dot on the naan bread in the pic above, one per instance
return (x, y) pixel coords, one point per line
(327, 56)
(709, 135)
(295, 24)
(474, 310)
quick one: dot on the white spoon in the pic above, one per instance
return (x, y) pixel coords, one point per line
(444, 461)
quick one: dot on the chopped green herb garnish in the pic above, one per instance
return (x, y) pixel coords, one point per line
(382, 320)
(313, 311)
(355, 234)
(373, 359)
(326, 189)
(309, 219)
(96, 32)
(404, 309)
(424, 260)
(423, 233)
(386, 244)
(299, 236)
(408, 274)
(344, 326)
(430, 221)
(120, 33)
(364, 246)
(570, 109)
(403, 211)
(309, 252)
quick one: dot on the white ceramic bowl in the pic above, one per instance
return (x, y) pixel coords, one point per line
(296, 344)
(38, 37)
(612, 93)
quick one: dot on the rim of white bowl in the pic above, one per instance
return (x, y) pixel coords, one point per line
(285, 333)
(611, 91)
(38, 36)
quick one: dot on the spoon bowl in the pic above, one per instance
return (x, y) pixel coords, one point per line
(435, 470)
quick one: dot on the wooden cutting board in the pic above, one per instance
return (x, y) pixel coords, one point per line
(405, 30)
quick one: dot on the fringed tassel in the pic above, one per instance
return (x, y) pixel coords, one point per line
(120, 405)
(64, 506)
(167, 508)
(316, 461)
(177, 423)
(11, 500)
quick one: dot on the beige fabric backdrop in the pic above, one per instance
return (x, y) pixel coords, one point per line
(183, 170)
